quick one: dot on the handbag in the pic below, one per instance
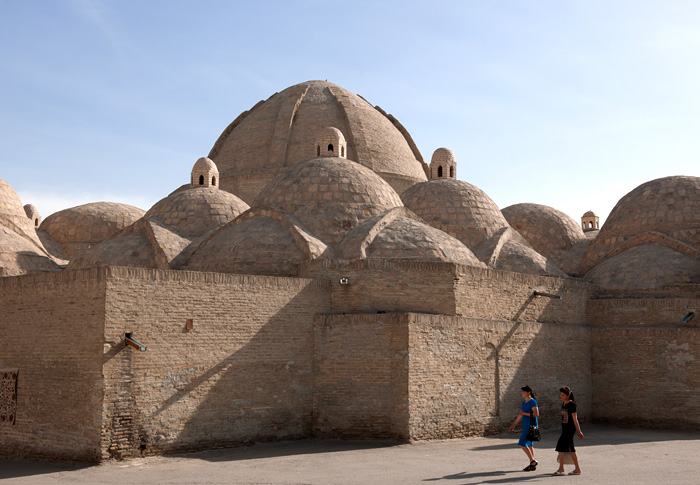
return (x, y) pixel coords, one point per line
(568, 460)
(533, 433)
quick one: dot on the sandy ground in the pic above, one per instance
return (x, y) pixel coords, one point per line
(608, 455)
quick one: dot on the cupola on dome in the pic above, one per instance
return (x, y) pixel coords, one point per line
(331, 143)
(205, 173)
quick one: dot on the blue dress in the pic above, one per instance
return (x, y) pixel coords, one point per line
(527, 408)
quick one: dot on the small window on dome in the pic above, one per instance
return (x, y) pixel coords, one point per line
(213, 181)
(201, 180)
(330, 147)
(452, 172)
(342, 151)
(36, 222)
(318, 150)
(440, 171)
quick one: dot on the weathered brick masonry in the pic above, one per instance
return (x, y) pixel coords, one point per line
(646, 362)
(51, 329)
(243, 373)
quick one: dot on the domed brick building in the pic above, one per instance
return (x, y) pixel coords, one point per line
(316, 278)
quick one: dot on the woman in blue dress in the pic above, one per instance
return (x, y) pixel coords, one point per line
(529, 406)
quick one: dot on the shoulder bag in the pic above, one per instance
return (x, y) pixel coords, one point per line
(533, 433)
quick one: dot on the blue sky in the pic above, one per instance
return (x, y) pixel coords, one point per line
(562, 103)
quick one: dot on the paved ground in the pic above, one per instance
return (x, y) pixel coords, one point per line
(608, 455)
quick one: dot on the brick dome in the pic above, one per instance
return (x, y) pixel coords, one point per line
(262, 240)
(282, 131)
(670, 206)
(204, 164)
(196, 211)
(329, 196)
(84, 226)
(12, 214)
(399, 234)
(18, 255)
(548, 231)
(456, 207)
(144, 244)
(509, 251)
(650, 266)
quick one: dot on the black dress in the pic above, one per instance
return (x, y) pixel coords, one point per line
(565, 443)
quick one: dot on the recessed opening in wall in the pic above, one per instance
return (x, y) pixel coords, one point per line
(342, 151)
(213, 180)
(452, 172)
(36, 222)
(440, 171)
(201, 180)
(318, 150)
(330, 147)
(189, 324)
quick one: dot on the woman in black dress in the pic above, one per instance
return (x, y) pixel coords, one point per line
(569, 427)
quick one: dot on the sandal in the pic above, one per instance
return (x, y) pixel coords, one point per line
(531, 467)
(558, 473)
(574, 473)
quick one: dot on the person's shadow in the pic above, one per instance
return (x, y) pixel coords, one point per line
(506, 477)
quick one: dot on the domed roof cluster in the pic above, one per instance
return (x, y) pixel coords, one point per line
(282, 131)
(322, 170)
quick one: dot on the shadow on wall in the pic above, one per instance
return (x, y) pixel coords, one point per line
(247, 381)
(545, 356)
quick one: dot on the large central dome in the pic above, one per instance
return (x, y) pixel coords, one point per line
(281, 131)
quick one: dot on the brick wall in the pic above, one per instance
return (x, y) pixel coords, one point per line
(493, 294)
(242, 374)
(51, 329)
(387, 286)
(646, 362)
(466, 373)
(361, 372)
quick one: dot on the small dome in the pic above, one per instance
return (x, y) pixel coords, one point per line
(263, 240)
(443, 155)
(331, 143)
(329, 196)
(33, 214)
(205, 164)
(650, 266)
(456, 207)
(19, 256)
(548, 231)
(443, 164)
(590, 214)
(204, 174)
(281, 132)
(194, 212)
(83, 226)
(399, 234)
(669, 205)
